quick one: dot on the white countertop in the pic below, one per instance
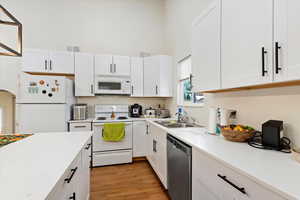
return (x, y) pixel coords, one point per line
(30, 168)
(274, 170)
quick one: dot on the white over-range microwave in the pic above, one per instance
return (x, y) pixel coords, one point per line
(112, 85)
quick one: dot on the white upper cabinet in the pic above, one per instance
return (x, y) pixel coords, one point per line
(42, 61)
(121, 65)
(246, 42)
(112, 65)
(35, 60)
(151, 76)
(286, 40)
(61, 62)
(158, 72)
(103, 65)
(206, 49)
(84, 74)
(137, 77)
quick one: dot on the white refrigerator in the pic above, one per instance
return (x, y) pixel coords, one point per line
(43, 103)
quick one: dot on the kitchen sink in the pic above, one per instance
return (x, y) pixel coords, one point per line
(175, 124)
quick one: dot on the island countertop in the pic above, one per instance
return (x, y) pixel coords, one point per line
(30, 168)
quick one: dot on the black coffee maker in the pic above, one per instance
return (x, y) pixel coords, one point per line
(135, 110)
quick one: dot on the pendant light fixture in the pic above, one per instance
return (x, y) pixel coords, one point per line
(14, 22)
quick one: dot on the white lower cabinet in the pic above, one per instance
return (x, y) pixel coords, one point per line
(140, 138)
(212, 180)
(157, 155)
(75, 182)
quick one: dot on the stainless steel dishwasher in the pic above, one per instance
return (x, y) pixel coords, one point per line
(179, 169)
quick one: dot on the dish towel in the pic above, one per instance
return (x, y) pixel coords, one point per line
(113, 132)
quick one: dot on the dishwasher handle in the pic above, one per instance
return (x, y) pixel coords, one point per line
(179, 145)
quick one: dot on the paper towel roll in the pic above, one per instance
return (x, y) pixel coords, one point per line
(212, 123)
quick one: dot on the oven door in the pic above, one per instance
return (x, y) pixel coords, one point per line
(100, 145)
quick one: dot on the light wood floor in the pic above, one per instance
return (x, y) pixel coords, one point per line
(135, 181)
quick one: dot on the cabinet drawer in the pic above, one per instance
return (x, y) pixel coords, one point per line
(225, 183)
(65, 186)
(85, 126)
(111, 157)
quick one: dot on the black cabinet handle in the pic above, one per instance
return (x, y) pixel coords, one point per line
(132, 90)
(154, 146)
(147, 129)
(68, 180)
(263, 53)
(50, 65)
(73, 197)
(277, 48)
(92, 89)
(88, 146)
(191, 80)
(79, 126)
(46, 64)
(242, 190)
(156, 90)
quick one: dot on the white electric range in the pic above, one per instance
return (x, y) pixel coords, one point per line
(110, 153)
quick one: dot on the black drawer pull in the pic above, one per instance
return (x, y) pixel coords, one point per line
(88, 146)
(68, 180)
(73, 197)
(277, 48)
(242, 190)
(80, 126)
(263, 52)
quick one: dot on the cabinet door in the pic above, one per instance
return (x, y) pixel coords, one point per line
(151, 76)
(137, 77)
(162, 156)
(140, 139)
(165, 85)
(84, 74)
(86, 153)
(103, 65)
(286, 35)
(61, 62)
(152, 144)
(206, 47)
(34, 60)
(121, 65)
(246, 42)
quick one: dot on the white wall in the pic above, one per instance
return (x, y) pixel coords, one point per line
(124, 27)
(254, 107)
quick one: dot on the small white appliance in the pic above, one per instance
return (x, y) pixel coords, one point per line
(112, 85)
(43, 103)
(110, 153)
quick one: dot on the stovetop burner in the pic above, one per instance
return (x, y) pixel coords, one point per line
(101, 118)
(120, 118)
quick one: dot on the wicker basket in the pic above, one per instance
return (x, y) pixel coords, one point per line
(237, 136)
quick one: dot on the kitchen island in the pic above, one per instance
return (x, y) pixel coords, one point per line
(46, 166)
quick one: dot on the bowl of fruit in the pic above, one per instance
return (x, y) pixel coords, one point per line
(237, 133)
